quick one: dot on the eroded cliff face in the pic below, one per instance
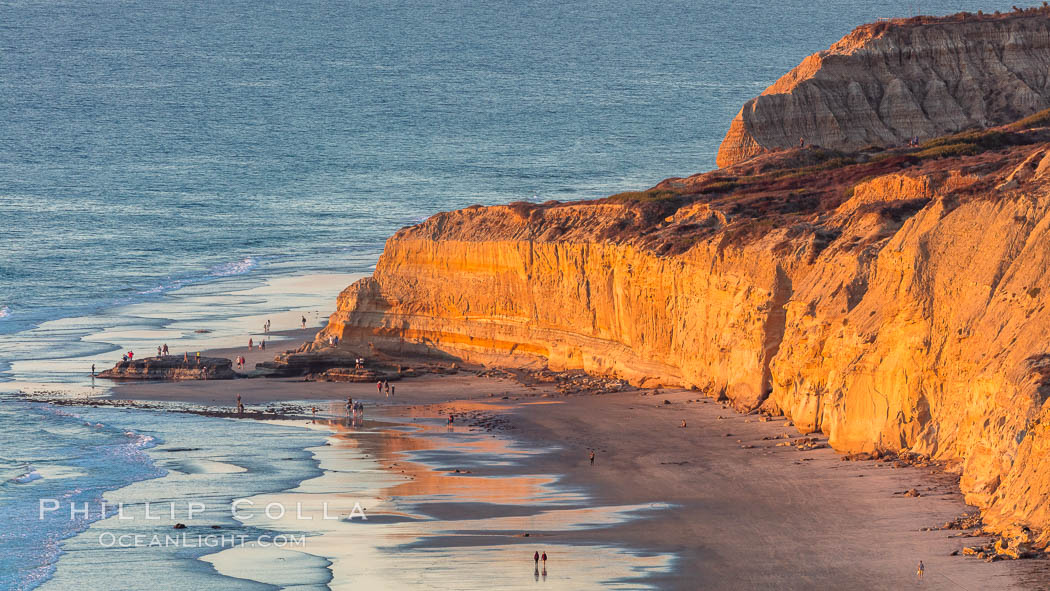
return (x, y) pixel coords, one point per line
(894, 299)
(908, 314)
(887, 83)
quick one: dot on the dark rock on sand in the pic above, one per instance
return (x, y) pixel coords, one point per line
(171, 368)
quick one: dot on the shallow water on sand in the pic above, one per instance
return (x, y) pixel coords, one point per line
(408, 519)
(202, 460)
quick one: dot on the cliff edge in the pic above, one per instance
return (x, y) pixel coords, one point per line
(889, 82)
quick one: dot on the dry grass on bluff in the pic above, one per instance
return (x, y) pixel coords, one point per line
(785, 188)
(796, 191)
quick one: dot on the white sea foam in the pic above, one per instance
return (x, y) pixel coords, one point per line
(5, 312)
(224, 270)
(141, 441)
(235, 268)
(27, 477)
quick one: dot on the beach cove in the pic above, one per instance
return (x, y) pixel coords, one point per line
(722, 501)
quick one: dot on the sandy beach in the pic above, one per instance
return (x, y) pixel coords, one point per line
(744, 512)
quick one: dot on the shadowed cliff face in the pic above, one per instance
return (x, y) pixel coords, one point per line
(887, 83)
(905, 311)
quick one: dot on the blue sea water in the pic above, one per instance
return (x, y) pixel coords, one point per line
(150, 148)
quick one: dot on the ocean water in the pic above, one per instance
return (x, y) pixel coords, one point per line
(156, 157)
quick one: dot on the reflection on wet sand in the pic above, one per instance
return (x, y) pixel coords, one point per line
(453, 508)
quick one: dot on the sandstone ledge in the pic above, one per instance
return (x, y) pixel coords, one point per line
(171, 368)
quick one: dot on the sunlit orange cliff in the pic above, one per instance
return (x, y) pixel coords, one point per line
(892, 296)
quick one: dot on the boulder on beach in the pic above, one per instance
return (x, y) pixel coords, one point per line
(171, 367)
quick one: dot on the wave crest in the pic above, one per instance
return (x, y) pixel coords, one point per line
(235, 268)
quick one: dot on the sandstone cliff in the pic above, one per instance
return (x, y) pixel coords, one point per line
(886, 83)
(900, 305)
(895, 299)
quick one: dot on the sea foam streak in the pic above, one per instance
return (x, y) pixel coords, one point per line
(222, 270)
(236, 268)
(27, 477)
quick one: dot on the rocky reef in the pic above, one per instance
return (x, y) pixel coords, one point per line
(895, 300)
(171, 368)
(889, 82)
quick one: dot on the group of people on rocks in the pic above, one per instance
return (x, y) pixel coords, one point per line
(162, 351)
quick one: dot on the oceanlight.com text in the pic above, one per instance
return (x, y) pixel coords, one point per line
(111, 540)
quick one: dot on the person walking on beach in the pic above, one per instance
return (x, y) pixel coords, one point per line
(313, 410)
(250, 343)
(198, 357)
(240, 405)
(262, 345)
(922, 569)
(92, 370)
(392, 391)
(349, 406)
(386, 386)
(164, 350)
(131, 355)
(186, 357)
(536, 559)
(543, 557)
(592, 457)
(158, 350)
(379, 387)
(304, 321)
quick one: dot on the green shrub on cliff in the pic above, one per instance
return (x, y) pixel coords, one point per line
(949, 151)
(644, 196)
(1040, 119)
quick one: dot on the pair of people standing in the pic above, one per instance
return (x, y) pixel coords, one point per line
(537, 557)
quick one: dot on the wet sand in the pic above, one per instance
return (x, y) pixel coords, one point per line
(765, 517)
